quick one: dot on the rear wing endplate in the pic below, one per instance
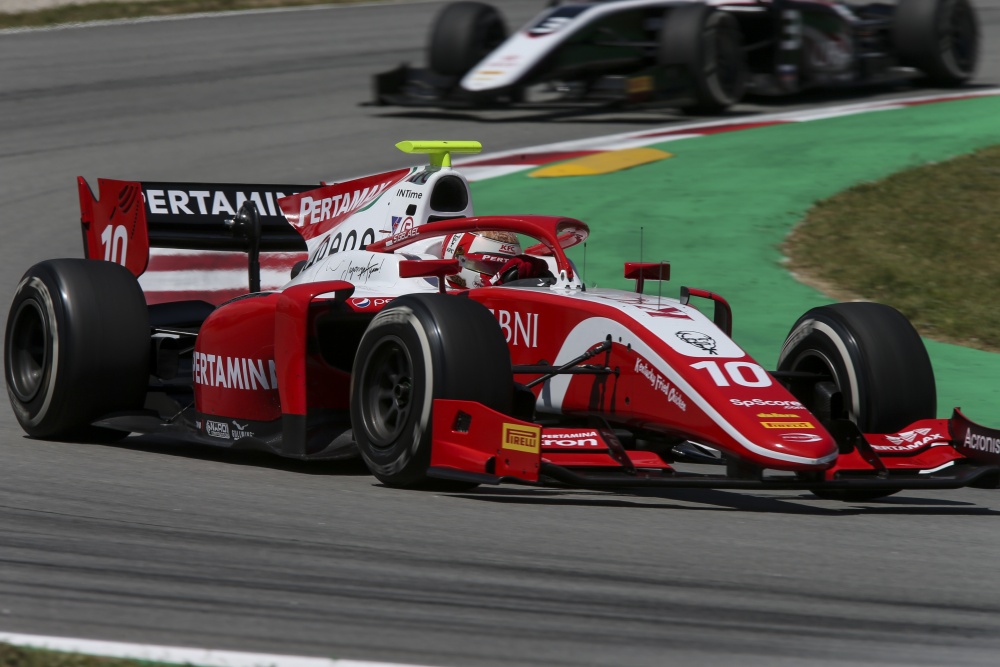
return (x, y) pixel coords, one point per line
(130, 217)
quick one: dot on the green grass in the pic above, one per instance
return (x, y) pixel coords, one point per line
(102, 11)
(926, 240)
(19, 656)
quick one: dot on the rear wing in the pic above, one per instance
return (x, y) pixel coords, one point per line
(130, 220)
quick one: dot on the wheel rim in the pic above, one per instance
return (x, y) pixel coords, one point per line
(728, 65)
(387, 392)
(814, 361)
(959, 38)
(27, 351)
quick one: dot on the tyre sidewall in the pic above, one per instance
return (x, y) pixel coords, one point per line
(96, 341)
(819, 337)
(691, 38)
(879, 362)
(404, 461)
(719, 27)
(917, 35)
(456, 351)
(35, 292)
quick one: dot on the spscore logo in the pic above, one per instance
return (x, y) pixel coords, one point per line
(521, 438)
(760, 403)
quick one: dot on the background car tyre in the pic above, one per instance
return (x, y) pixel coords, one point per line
(462, 35)
(76, 347)
(938, 37)
(880, 374)
(419, 348)
(708, 45)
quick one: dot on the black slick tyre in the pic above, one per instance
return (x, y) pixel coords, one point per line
(420, 348)
(708, 45)
(463, 34)
(76, 347)
(938, 37)
(879, 374)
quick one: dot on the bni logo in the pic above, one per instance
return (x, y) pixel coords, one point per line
(521, 438)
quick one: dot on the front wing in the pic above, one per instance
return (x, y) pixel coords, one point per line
(475, 444)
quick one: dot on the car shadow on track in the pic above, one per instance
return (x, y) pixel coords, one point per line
(662, 499)
(603, 115)
(352, 467)
(727, 501)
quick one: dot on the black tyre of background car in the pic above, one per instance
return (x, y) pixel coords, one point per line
(462, 34)
(708, 45)
(938, 37)
(878, 367)
(419, 348)
(76, 347)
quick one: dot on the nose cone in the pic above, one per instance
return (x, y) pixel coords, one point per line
(823, 447)
(812, 447)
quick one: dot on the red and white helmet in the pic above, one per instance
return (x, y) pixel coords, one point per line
(481, 254)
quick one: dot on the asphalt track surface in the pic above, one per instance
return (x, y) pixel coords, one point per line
(152, 543)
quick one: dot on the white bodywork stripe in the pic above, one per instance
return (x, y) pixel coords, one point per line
(181, 656)
(594, 329)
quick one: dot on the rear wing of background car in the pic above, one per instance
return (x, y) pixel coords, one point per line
(174, 236)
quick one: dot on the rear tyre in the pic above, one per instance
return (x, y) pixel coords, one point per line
(76, 347)
(462, 35)
(419, 348)
(708, 45)
(880, 374)
(938, 37)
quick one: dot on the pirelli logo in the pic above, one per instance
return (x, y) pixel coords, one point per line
(788, 425)
(522, 438)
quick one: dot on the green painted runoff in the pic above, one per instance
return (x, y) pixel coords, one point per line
(720, 208)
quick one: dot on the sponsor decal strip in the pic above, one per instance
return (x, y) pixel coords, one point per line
(983, 443)
(178, 655)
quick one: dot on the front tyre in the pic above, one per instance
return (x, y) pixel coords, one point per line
(938, 37)
(876, 369)
(76, 347)
(880, 376)
(462, 35)
(419, 348)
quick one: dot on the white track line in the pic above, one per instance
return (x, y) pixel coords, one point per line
(180, 656)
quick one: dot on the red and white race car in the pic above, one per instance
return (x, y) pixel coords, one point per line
(434, 344)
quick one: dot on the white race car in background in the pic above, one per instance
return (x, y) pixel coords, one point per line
(701, 56)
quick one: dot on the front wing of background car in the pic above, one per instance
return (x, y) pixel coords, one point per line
(418, 87)
(475, 444)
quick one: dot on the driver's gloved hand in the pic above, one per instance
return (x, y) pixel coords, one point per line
(520, 268)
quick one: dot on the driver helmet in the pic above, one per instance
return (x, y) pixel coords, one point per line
(481, 254)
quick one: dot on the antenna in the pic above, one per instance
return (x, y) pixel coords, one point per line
(640, 255)
(659, 285)
(584, 273)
